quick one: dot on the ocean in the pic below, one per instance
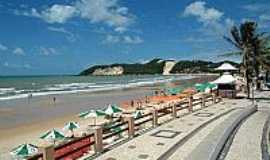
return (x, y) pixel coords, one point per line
(14, 87)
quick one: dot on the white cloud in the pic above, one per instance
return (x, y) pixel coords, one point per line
(112, 39)
(54, 14)
(58, 13)
(229, 22)
(107, 12)
(203, 14)
(6, 64)
(47, 51)
(264, 17)
(69, 35)
(123, 39)
(19, 51)
(255, 7)
(16, 66)
(3, 47)
(132, 40)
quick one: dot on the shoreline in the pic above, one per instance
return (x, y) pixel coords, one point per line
(22, 122)
(95, 90)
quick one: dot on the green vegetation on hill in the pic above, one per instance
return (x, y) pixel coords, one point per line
(156, 67)
(198, 66)
(153, 67)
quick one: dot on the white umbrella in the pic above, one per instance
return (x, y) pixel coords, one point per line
(53, 135)
(112, 109)
(94, 114)
(71, 126)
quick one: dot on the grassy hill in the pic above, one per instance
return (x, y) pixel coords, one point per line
(155, 66)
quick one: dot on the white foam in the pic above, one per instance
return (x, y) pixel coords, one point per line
(70, 88)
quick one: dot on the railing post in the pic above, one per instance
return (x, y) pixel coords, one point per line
(174, 111)
(47, 152)
(155, 117)
(190, 104)
(98, 139)
(203, 100)
(214, 98)
(131, 126)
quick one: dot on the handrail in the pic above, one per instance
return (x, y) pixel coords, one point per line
(114, 133)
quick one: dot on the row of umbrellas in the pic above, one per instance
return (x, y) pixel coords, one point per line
(54, 135)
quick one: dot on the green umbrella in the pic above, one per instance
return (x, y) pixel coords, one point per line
(71, 126)
(112, 109)
(94, 114)
(200, 87)
(24, 150)
(52, 135)
(174, 91)
(137, 114)
(82, 114)
(212, 85)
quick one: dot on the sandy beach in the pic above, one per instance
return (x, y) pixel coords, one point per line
(22, 121)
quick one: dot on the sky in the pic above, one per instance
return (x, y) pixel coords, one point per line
(67, 36)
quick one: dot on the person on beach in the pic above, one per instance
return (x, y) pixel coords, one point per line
(132, 103)
(29, 97)
(54, 99)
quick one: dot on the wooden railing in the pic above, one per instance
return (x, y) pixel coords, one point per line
(78, 146)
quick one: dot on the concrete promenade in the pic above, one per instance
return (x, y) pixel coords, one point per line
(158, 142)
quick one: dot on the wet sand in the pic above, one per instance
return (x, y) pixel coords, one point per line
(23, 121)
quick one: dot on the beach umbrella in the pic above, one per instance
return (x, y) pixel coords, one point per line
(53, 135)
(211, 85)
(24, 150)
(174, 91)
(112, 109)
(200, 87)
(94, 114)
(137, 114)
(82, 114)
(71, 126)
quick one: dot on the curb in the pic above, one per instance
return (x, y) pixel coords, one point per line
(228, 131)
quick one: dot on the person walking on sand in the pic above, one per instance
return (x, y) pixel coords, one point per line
(29, 97)
(54, 99)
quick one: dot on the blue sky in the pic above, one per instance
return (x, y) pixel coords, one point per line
(66, 36)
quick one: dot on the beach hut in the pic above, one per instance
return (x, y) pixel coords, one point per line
(23, 151)
(226, 85)
(53, 136)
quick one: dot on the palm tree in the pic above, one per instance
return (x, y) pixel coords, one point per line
(254, 50)
(242, 39)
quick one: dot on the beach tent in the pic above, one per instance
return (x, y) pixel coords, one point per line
(53, 135)
(93, 114)
(226, 67)
(24, 150)
(137, 114)
(112, 109)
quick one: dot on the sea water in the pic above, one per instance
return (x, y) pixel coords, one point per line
(14, 87)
